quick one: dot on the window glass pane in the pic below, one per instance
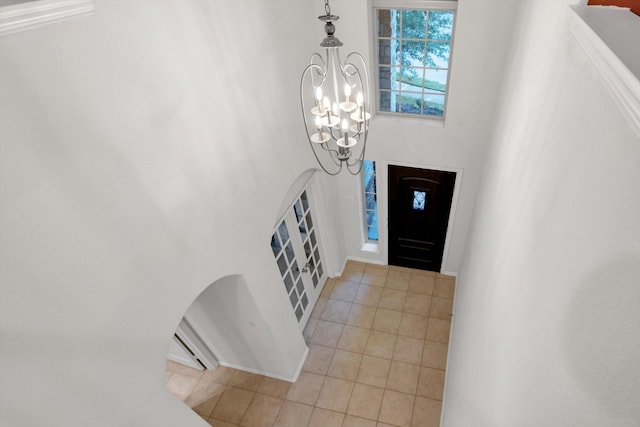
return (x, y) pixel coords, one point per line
(320, 271)
(298, 210)
(394, 52)
(409, 41)
(289, 252)
(293, 298)
(438, 54)
(303, 231)
(309, 222)
(369, 182)
(411, 103)
(412, 80)
(433, 104)
(304, 301)
(368, 168)
(390, 78)
(307, 248)
(370, 201)
(384, 52)
(288, 282)
(390, 101)
(372, 218)
(388, 23)
(384, 23)
(315, 281)
(435, 80)
(440, 24)
(372, 233)
(295, 270)
(299, 313)
(414, 24)
(385, 78)
(282, 265)
(412, 53)
(305, 201)
(313, 239)
(275, 245)
(419, 199)
(395, 78)
(284, 233)
(300, 287)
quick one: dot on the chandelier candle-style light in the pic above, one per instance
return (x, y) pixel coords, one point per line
(334, 97)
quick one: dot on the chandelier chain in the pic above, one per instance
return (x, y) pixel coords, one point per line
(327, 8)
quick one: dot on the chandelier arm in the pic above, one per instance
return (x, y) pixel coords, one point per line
(331, 131)
(320, 66)
(306, 126)
(322, 61)
(351, 70)
(332, 153)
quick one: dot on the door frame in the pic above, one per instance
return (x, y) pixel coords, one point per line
(382, 181)
(306, 182)
(192, 341)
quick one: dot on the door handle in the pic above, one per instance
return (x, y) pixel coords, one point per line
(305, 269)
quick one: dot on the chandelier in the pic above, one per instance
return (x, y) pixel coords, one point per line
(334, 97)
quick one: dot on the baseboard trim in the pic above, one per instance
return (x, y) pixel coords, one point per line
(270, 374)
(366, 260)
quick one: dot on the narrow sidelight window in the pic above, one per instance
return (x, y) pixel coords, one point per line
(370, 200)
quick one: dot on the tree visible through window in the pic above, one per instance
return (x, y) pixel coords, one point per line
(414, 48)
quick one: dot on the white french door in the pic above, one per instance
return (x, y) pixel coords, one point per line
(296, 249)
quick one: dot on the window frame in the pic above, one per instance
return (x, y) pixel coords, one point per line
(429, 5)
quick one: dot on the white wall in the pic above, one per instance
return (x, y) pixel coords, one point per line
(546, 320)
(482, 36)
(145, 151)
(234, 326)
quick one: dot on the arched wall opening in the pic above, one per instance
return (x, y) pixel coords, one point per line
(231, 327)
(237, 325)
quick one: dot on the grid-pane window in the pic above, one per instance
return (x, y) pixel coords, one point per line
(370, 199)
(285, 258)
(413, 53)
(309, 240)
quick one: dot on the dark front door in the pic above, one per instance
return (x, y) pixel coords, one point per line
(419, 205)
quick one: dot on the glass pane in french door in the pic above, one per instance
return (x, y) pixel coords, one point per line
(307, 230)
(283, 250)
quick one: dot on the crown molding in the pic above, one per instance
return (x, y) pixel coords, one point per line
(620, 81)
(36, 13)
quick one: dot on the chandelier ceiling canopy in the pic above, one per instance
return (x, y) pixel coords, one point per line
(334, 97)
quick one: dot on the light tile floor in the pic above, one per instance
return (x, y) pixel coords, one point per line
(378, 340)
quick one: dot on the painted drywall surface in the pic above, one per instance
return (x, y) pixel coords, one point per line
(236, 329)
(141, 160)
(616, 26)
(481, 39)
(546, 311)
